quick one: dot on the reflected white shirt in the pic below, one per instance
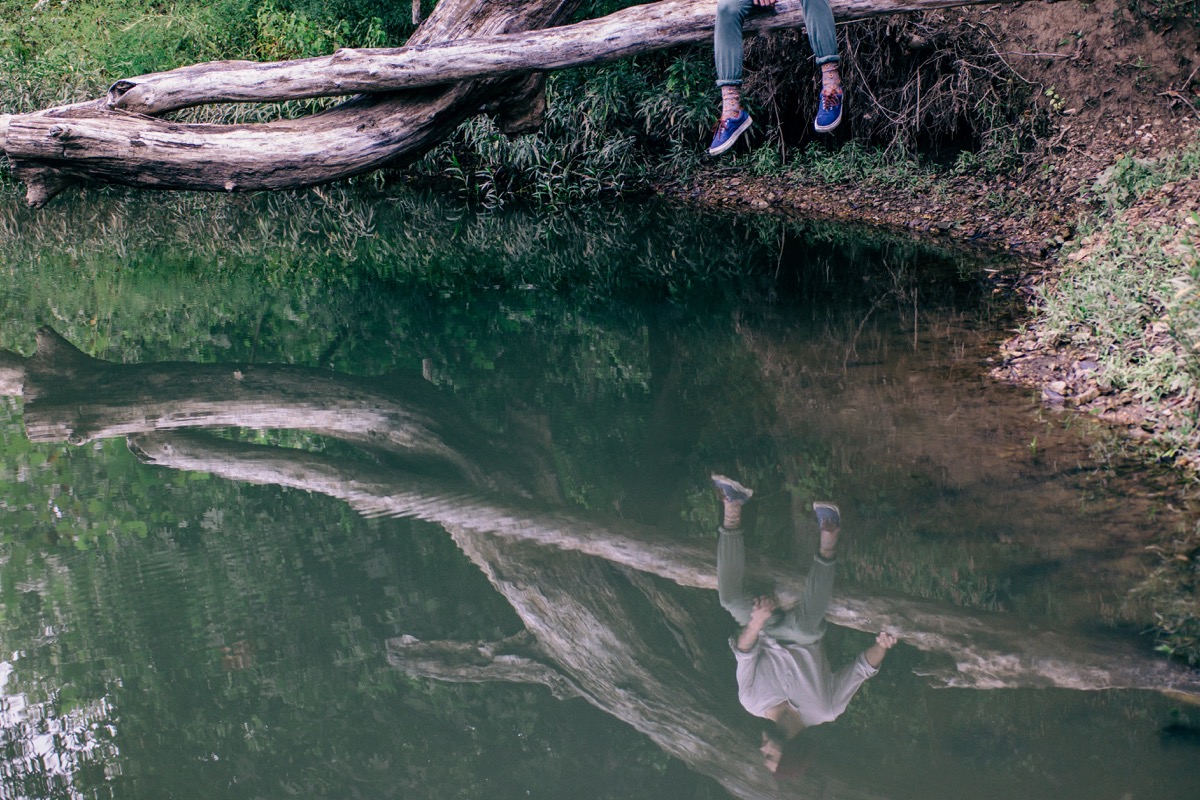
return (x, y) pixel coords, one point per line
(771, 672)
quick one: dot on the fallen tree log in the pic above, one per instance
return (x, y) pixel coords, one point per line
(629, 32)
(470, 47)
(51, 149)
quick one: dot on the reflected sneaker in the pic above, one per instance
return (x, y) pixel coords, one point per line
(828, 515)
(829, 111)
(730, 490)
(728, 131)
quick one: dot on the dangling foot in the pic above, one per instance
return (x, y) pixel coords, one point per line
(829, 108)
(729, 129)
(829, 518)
(733, 496)
(829, 112)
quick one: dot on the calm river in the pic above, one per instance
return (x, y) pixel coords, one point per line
(367, 495)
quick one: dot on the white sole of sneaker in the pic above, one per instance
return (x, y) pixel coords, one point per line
(827, 128)
(733, 137)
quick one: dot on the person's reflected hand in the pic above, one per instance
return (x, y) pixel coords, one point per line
(764, 607)
(883, 642)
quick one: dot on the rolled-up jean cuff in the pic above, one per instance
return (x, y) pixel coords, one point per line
(834, 59)
(729, 83)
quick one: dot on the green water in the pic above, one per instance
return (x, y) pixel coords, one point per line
(172, 631)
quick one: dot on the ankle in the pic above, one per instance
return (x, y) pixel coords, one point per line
(731, 102)
(732, 517)
(831, 79)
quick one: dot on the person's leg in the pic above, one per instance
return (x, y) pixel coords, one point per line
(822, 36)
(804, 623)
(727, 43)
(731, 550)
(727, 54)
(731, 575)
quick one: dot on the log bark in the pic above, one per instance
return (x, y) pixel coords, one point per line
(51, 149)
(466, 47)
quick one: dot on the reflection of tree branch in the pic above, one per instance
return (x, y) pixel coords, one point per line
(592, 621)
(989, 650)
(70, 396)
(506, 661)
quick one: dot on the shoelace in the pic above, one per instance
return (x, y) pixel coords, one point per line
(721, 123)
(830, 98)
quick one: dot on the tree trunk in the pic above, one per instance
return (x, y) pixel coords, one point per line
(467, 47)
(83, 142)
(629, 32)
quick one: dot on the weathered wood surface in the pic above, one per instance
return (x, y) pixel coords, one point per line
(51, 149)
(625, 33)
(466, 47)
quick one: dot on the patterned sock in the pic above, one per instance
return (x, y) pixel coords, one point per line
(731, 101)
(831, 80)
(733, 516)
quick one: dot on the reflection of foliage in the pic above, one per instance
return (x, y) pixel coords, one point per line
(899, 560)
(1172, 592)
(43, 507)
(491, 307)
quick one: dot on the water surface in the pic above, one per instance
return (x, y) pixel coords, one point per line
(335, 495)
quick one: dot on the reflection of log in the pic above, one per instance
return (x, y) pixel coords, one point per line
(70, 396)
(506, 661)
(988, 650)
(597, 628)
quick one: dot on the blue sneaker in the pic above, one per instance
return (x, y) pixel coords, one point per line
(829, 112)
(729, 489)
(828, 515)
(728, 131)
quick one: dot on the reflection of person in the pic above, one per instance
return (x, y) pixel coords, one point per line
(782, 673)
(727, 51)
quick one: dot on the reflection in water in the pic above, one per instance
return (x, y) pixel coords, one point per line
(539, 539)
(583, 637)
(783, 673)
(45, 750)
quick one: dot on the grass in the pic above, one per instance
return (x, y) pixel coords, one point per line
(55, 53)
(1130, 297)
(608, 132)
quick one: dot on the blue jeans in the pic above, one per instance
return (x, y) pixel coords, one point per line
(727, 36)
